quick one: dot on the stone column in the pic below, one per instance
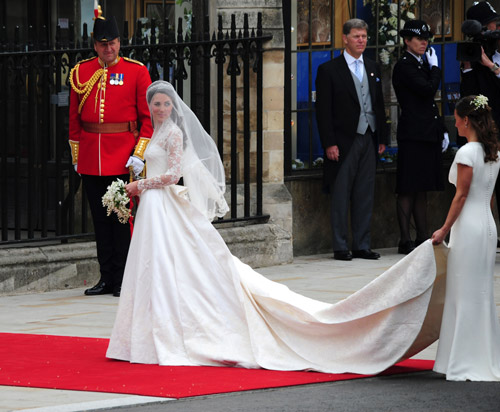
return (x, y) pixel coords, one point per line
(277, 199)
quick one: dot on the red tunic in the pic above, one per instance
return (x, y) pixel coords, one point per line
(106, 154)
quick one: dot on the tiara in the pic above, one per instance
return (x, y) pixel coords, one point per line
(479, 102)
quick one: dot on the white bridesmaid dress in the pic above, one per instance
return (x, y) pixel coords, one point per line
(469, 343)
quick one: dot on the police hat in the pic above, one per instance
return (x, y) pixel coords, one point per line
(414, 28)
(105, 29)
(483, 12)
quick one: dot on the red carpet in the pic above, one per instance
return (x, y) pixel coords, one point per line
(71, 363)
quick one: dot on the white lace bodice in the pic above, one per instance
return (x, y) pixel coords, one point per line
(163, 157)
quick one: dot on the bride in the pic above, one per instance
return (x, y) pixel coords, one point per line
(186, 300)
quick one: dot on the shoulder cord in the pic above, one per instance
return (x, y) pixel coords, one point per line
(86, 88)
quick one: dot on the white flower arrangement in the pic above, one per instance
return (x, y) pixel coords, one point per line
(388, 24)
(479, 102)
(116, 200)
(318, 162)
(297, 164)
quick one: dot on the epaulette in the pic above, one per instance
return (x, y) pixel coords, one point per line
(86, 60)
(133, 61)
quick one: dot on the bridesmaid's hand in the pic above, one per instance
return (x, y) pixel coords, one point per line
(133, 189)
(438, 236)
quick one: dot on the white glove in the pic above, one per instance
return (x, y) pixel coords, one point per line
(431, 57)
(76, 167)
(445, 142)
(136, 163)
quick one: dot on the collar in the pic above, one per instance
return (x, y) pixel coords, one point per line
(350, 59)
(102, 64)
(496, 57)
(419, 58)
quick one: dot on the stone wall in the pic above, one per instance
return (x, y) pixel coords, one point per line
(277, 201)
(273, 80)
(311, 213)
(74, 265)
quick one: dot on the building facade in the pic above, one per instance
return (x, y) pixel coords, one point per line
(283, 143)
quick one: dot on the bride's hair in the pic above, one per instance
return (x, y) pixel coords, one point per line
(174, 115)
(480, 119)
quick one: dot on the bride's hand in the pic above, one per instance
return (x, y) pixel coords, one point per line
(133, 189)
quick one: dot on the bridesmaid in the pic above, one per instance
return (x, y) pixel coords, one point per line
(469, 341)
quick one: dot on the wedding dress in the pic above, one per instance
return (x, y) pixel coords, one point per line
(186, 300)
(469, 343)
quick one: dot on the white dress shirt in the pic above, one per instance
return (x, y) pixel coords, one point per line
(352, 66)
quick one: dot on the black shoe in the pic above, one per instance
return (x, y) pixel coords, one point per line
(117, 291)
(102, 288)
(365, 254)
(405, 247)
(342, 255)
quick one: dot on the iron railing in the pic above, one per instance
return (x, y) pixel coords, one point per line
(40, 195)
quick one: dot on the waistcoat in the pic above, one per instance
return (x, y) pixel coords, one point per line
(366, 114)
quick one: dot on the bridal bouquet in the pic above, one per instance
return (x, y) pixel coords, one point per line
(116, 200)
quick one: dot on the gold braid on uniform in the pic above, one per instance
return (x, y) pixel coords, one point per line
(140, 148)
(85, 88)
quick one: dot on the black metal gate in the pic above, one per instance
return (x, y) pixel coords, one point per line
(39, 191)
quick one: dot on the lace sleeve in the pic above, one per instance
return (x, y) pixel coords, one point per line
(172, 144)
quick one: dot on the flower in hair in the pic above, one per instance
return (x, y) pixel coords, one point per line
(479, 102)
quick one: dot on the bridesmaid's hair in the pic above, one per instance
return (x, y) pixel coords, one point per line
(483, 124)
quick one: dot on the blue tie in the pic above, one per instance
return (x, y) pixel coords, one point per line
(357, 70)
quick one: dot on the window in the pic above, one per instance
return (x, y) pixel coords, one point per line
(313, 35)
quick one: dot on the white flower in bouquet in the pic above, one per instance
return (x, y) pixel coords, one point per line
(116, 200)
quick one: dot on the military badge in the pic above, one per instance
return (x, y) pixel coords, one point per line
(116, 79)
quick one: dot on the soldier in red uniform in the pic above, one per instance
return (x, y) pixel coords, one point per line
(109, 129)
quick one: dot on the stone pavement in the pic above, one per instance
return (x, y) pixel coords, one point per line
(70, 313)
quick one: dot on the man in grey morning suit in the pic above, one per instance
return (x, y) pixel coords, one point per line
(352, 127)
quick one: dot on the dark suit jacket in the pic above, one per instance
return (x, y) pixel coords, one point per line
(415, 85)
(481, 80)
(338, 108)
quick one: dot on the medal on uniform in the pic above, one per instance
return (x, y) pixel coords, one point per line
(116, 79)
